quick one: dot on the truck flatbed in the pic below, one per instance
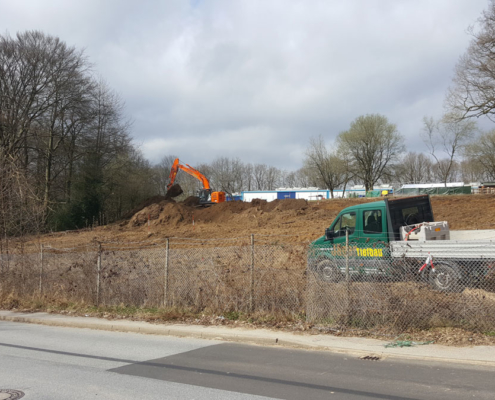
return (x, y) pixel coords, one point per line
(444, 249)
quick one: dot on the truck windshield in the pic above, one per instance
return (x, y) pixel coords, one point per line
(347, 220)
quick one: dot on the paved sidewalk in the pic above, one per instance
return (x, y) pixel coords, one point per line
(476, 355)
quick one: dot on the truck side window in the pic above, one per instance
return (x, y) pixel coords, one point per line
(347, 220)
(372, 221)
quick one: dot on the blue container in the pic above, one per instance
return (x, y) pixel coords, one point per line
(286, 195)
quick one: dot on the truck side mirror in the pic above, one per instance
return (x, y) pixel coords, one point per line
(329, 235)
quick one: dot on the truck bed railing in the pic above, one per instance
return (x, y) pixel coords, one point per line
(445, 249)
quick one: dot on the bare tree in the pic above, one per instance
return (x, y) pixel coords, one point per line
(481, 152)
(327, 168)
(21, 210)
(414, 168)
(259, 173)
(272, 178)
(227, 174)
(447, 136)
(440, 168)
(248, 177)
(471, 170)
(288, 179)
(473, 91)
(65, 132)
(374, 145)
(304, 178)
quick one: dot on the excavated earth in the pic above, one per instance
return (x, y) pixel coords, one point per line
(291, 220)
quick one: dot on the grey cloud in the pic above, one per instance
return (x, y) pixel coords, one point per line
(255, 79)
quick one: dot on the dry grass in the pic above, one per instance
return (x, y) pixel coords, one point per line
(399, 307)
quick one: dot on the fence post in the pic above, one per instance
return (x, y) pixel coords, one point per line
(98, 273)
(251, 292)
(41, 269)
(165, 286)
(347, 255)
(348, 287)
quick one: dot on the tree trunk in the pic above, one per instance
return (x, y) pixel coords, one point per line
(48, 173)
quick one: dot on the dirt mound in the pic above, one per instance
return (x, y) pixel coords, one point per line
(191, 201)
(258, 202)
(285, 220)
(174, 191)
(150, 212)
(286, 205)
(226, 212)
(174, 215)
(146, 203)
(165, 212)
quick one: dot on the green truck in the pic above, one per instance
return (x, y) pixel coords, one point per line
(398, 238)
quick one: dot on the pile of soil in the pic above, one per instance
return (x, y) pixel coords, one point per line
(233, 213)
(292, 220)
(146, 203)
(191, 201)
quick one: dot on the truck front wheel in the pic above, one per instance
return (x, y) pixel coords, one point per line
(328, 271)
(446, 278)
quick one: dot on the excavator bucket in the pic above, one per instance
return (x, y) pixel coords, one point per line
(174, 191)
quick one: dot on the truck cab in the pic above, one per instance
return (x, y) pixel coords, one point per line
(364, 223)
(378, 221)
(369, 227)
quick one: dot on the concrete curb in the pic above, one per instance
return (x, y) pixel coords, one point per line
(351, 346)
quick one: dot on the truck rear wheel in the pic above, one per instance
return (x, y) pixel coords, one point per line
(328, 271)
(446, 278)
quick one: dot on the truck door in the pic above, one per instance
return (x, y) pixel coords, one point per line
(345, 221)
(369, 248)
(374, 226)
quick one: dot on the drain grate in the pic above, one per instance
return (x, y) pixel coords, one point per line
(10, 394)
(372, 358)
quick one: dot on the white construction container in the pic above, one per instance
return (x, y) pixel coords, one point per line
(426, 231)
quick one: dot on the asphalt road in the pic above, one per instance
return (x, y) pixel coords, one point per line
(67, 363)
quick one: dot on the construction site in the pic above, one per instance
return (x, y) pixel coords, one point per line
(243, 263)
(296, 220)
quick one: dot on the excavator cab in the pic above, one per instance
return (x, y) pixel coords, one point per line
(208, 197)
(204, 196)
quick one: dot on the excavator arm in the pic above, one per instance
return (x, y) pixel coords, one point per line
(190, 170)
(206, 195)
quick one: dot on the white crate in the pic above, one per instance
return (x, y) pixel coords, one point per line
(426, 231)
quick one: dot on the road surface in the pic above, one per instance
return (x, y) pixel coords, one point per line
(67, 363)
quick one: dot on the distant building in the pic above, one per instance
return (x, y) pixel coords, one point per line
(433, 188)
(307, 193)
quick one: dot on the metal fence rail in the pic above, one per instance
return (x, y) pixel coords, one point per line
(358, 285)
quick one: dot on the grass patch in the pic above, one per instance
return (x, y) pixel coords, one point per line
(232, 315)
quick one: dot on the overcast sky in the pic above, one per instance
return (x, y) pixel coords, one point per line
(255, 79)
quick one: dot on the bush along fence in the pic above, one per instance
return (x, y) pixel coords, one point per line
(244, 275)
(377, 286)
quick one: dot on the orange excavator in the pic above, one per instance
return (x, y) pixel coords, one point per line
(206, 195)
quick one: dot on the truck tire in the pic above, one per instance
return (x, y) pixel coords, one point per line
(328, 271)
(446, 278)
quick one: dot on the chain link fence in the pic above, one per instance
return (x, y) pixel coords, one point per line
(373, 286)
(402, 285)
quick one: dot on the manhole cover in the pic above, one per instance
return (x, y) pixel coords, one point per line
(9, 394)
(372, 358)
